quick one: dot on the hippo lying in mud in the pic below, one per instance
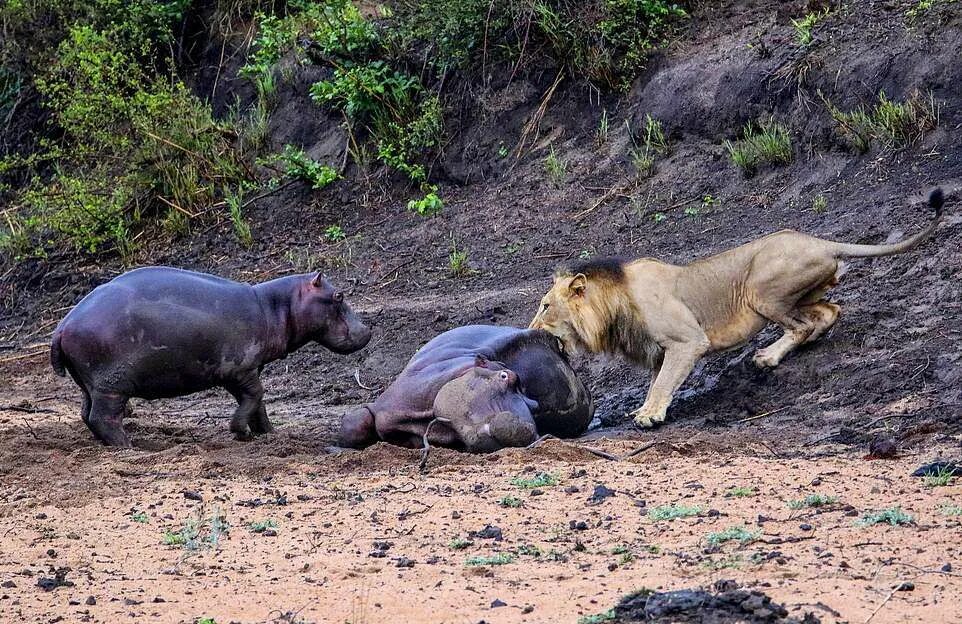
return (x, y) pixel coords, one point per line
(477, 388)
(163, 332)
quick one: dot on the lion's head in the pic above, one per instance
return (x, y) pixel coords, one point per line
(582, 304)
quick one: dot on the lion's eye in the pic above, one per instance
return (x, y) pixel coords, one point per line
(544, 306)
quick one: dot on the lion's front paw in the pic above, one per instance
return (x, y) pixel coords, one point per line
(647, 418)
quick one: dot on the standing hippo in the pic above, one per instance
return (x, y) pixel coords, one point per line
(163, 332)
(480, 388)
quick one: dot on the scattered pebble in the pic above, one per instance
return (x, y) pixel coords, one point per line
(498, 603)
(192, 495)
(805, 526)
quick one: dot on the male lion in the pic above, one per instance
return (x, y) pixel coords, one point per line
(666, 317)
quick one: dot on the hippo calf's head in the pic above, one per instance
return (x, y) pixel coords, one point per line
(487, 409)
(322, 314)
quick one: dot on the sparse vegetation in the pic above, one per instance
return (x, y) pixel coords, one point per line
(334, 233)
(510, 501)
(893, 516)
(198, 532)
(427, 206)
(950, 509)
(768, 143)
(922, 7)
(741, 491)
(530, 550)
(241, 227)
(819, 203)
(813, 500)
(672, 512)
(731, 534)
(300, 166)
(539, 480)
(503, 558)
(888, 123)
(139, 517)
(458, 261)
(601, 134)
(653, 143)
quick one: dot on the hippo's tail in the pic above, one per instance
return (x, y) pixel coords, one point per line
(57, 354)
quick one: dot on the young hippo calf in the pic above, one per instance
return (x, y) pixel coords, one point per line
(163, 332)
(477, 388)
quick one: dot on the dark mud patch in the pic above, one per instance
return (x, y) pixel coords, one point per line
(727, 605)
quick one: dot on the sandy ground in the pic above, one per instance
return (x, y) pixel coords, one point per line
(365, 537)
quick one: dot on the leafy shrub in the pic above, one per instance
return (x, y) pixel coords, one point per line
(731, 534)
(299, 165)
(541, 479)
(671, 512)
(813, 500)
(429, 205)
(498, 559)
(893, 516)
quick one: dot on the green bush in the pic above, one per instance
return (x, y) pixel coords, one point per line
(769, 143)
(889, 123)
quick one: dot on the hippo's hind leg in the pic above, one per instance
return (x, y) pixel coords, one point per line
(106, 418)
(249, 393)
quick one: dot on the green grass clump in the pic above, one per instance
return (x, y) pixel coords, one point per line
(889, 123)
(530, 550)
(731, 534)
(262, 525)
(429, 205)
(598, 618)
(541, 479)
(458, 262)
(769, 143)
(198, 532)
(139, 517)
(510, 501)
(893, 516)
(334, 233)
(671, 512)
(653, 143)
(493, 560)
(555, 167)
(942, 477)
(459, 543)
(741, 492)
(297, 164)
(813, 500)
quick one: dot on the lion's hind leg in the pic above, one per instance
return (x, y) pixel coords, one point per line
(803, 324)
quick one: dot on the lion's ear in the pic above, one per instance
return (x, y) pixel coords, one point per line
(577, 285)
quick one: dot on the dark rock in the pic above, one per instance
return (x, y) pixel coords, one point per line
(498, 603)
(947, 567)
(600, 494)
(455, 515)
(578, 525)
(727, 604)
(906, 586)
(882, 447)
(91, 601)
(713, 513)
(59, 580)
(572, 489)
(939, 467)
(805, 526)
(8, 585)
(527, 609)
(404, 562)
(488, 532)
(192, 495)
(537, 492)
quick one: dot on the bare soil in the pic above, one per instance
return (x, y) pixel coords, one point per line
(890, 370)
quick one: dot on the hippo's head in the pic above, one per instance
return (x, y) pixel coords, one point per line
(487, 409)
(322, 314)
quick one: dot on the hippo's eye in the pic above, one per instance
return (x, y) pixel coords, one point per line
(503, 375)
(338, 297)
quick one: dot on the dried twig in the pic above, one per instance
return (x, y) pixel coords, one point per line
(357, 378)
(426, 449)
(897, 587)
(763, 415)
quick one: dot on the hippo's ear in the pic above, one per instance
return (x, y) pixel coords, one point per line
(318, 280)
(480, 361)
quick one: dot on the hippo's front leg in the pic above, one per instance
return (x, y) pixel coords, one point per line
(249, 394)
(259, 422)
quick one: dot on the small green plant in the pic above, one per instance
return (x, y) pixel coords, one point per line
(658, 217)
(950, 509)
(893, 516)
(672, 512)
(198, 532)
(819, 203)
(734, 562)
(805, 26)
(510, 501)
(654, 135)
(262, 525)
(813, 500)
(653, 143)
(692, 211)
(429, 205)
(769, 143)
(731, 534)
(140, 517)
(598, 618)
(503, 151)
(539, 480)
(459, 543)
(620, 549)
(300, 166)
(334, 233)
(642, 162)
(626, 558)
(889, 123)
(741, 491)
(555, 167)
(205, 620)
(503, 558)
(942, 477)
(918, 11)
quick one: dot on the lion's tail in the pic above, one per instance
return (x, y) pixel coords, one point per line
(936, 200)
